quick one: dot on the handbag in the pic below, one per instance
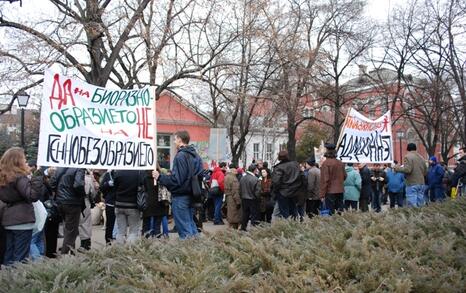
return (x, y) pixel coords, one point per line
(40, 213)
(51, 207)
(164, 194)
(196, 181)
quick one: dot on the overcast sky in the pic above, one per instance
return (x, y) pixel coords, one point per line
(377, 9)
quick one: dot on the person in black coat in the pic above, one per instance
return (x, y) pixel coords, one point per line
(366, 187)
(108, 190)
(68, 184)
(156, 209)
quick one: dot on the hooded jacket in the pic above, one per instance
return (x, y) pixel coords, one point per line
(395, 181)
(435, 175)
(179, 182)
(220, 177)
(352, 184)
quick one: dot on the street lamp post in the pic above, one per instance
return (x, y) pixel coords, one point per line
(23, 99)
(400, 134)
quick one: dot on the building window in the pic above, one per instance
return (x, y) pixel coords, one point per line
(283, 147)
(163, 150)
(268, 152)
(255, 151)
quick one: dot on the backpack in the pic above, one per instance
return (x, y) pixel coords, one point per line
(196, 183)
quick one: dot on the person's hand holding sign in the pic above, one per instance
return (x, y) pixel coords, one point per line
(155, 174)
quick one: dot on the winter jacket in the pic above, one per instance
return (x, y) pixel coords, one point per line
(380, 180)
(313, 183)
(287, 178)
(395, 181)
(266, 194)
(460, 172)
(249, 187)
(414, 167)
(352, 184)
(155, 208)
(126, 184)
(179, 182)
(107, 190)
(366, 183)
(332, 176)
(435, 175)
(220, 177)
(68, 184)
(18, 196)
(233, 199)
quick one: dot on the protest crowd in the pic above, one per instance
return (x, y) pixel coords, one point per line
(35, 200)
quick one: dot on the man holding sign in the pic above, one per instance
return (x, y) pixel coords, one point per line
(186, 164)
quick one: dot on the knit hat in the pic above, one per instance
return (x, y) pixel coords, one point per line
(433, 159)
(311, 161)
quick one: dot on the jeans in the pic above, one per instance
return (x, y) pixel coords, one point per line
(351, 204)
(218, 201)
(396, 198)
(128, 219)
(437, 194)
(18, 243)
(151, 227)
(183, 213)
(251, 210)
(165, 229)
(71, 215)
(334, 202)
(415, 195)
(376, 200)
(110, 224)
(287, 207)
(37, 249)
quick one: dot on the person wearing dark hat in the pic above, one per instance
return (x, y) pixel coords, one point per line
(434, 180)
(332, 177)
(287, 179)
(249, 190)
(313, 185)
(415, 169)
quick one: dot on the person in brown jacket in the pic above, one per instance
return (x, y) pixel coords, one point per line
(233, 198)
(415, 169)
(332, 177)
(18, 192)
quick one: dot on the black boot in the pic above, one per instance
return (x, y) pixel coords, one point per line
(86, 244)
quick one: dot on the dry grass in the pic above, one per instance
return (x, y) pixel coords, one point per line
(418, 250)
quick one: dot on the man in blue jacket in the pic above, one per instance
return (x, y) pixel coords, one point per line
(396, 186)
(435, 179)
(186, 164)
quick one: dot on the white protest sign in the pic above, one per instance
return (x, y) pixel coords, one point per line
(363, 140)
(86, 126)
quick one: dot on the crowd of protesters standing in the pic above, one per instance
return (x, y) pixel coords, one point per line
(245, 197)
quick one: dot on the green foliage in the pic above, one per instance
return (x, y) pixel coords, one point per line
(403, 250)
(311, 138)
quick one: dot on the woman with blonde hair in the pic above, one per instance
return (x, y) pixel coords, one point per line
(18, 192)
